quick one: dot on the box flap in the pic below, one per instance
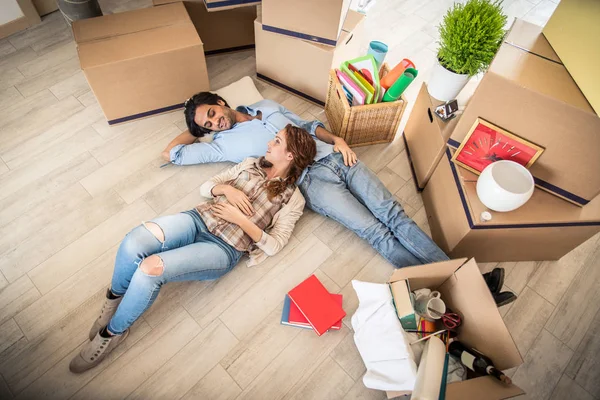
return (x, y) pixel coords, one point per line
(429, 275)
(482, 327)
(483, 388)
(141, 44)
(529, 37)
(538, 74)
(125, 23)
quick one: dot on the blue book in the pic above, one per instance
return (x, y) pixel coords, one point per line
(285, 314)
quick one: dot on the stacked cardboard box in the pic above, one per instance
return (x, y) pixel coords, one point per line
(298, 42)
(528, 92)
(142, 62)
(221, 28)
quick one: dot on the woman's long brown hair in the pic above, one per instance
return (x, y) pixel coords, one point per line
(303, 148)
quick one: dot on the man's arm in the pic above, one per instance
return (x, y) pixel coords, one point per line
(339, 145)
(184, 139)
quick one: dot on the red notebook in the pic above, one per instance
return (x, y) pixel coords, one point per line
(297, 318)
(316, 304)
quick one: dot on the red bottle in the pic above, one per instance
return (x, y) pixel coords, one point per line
(391, 77)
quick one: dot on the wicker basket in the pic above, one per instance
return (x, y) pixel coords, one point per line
(362, 125)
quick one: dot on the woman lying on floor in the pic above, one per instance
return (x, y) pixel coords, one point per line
(254, 208)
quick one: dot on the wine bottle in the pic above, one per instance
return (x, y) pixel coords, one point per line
(476, 361)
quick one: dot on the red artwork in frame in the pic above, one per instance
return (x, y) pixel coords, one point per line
(486, 143)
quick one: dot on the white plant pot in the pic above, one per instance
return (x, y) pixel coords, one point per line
(505, 186)
(445, 85)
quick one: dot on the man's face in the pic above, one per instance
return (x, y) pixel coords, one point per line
(215, 117)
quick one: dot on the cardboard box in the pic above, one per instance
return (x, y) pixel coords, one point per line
(141, 62)
(425, 136)
(44, 7)
(302, 67)
(220, 5)
(528, 92)
(545, 228)
(573, 31)
(220, 31)
(464, 290)
(319, 21)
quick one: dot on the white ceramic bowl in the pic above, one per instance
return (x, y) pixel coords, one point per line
(505, 186)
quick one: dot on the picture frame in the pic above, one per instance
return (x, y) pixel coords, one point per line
(486, 143)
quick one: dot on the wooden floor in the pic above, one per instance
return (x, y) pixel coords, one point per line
(71, 187)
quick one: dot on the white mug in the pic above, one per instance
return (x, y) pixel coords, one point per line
(425, 303)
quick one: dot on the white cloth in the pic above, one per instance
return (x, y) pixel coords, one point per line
(381, 341)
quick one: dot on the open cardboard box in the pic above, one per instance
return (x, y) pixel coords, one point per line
(464, 290)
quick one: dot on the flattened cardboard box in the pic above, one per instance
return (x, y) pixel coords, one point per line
(221, 31)
(425, 136)
(464, 290)
(219, 5)
(300, 66)
(545, 228)
(528, 92)
(319, 21)
(573, 31)
(142, 62)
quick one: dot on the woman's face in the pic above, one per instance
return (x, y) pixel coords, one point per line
(277, 149)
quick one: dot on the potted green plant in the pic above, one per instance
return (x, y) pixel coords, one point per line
(470, 35)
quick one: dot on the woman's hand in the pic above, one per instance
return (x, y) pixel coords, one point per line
(229, 213)
(340, 146)
(236, 197)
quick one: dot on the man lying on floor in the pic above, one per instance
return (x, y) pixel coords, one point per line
(337, 185)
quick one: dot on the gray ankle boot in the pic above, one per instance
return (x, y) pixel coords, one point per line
(95, 351)
(109, 308)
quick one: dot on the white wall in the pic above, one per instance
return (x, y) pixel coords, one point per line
(9, 11)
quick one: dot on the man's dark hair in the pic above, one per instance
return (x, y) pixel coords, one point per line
(190, 111)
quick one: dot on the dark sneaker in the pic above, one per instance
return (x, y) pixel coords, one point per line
(94, 352)
(109, 308)
(494, 280)
(504, 298)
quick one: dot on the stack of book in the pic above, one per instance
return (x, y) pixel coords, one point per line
(310, 306)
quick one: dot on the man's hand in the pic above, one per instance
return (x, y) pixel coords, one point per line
(340, 146)
(229, 213)
(237, 198)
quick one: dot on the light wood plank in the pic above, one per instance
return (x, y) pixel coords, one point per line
(60, 383)
(256, 303)
(400, 166)
(333, 234)
(49, 77)
(408, 195)
(328, 381)
(541, 13)
(51, 25)
(5, 392)
(9, 96)
(75, 85)
(552, 279)
(217, 385)
(520, 274)
(543, 366)
(218, 296)
(128, 372)
(569, 389)
(46, 187)
(144, 180)
(390, 179)
(16, 297)
(579, 305)
(50, 59)
(584, 364)
(106, 177)
(347, 356)
(527, 317)
(10, 77)
(6, 48)
(187, 367)
(30, 253)
(23, 366)
(307, 224)
(184, 181)
(91, 245)
(87, 99)
(66, 297)
(16, 59)
(9, 334)
(344, 263)
(258, 349)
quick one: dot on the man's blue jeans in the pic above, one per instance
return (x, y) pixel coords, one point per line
(356, 198)
(189, 252)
